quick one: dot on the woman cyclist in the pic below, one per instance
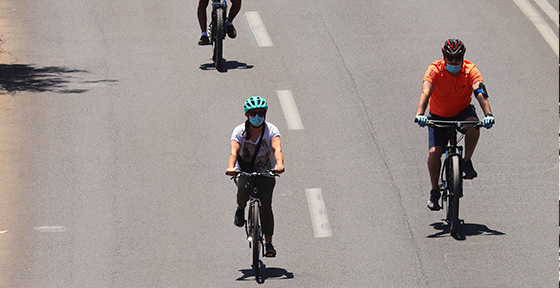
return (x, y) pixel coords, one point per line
(245, 140)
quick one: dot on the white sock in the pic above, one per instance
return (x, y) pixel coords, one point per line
(228, 23)
(204, 34)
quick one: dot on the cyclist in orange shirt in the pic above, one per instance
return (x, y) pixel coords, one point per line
(447, 88)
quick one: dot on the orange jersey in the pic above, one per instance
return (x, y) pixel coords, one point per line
(452, 94)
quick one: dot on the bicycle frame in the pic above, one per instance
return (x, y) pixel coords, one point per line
(254, 199)
(253, 227)
(450, 150)
(451, 179)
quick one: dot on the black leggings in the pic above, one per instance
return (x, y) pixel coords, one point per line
(265, 185)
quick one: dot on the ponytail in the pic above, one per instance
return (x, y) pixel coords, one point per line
(247, 134)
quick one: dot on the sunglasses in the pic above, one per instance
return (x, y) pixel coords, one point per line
(255, 113)
(454, 58)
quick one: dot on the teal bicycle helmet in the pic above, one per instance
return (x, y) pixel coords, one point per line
(255, 102)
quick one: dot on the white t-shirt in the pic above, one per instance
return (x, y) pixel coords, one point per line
(265, 159)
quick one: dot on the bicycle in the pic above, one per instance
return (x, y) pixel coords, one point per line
(451, 186)
(218, 31)
(253, 228)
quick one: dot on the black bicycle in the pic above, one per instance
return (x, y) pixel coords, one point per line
(451, 186)
(253, 227)
(218, 31)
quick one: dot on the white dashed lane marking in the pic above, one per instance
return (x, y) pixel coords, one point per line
(50, 229)
(318, 211)
(257, 27)
(290, 109)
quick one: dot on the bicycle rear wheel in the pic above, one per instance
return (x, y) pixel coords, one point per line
(455, 187)
(218, 41)
(255, 234)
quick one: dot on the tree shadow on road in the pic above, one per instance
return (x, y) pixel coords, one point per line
(30, 78)
(465, 229)
(227, 66)
(266, 273)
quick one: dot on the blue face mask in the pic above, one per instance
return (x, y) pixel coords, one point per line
(453, 68)
(256, 121)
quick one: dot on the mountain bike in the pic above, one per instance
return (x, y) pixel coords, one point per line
(253, 227)
(451, 186)
(218, 31)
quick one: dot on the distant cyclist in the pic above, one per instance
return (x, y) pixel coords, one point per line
(448, 85)
(202, 19)
(245, 140)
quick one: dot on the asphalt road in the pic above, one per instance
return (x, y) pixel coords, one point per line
(114, 139)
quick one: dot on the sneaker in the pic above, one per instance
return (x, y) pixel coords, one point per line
(270, 251)
(469, 170)
(203, 40)
(433, 203)
(239, 219)
(231, 32)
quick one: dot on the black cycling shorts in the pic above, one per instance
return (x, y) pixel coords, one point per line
(440, 136)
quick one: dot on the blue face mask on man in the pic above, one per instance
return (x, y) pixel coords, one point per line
(453, 68)
(256, 121)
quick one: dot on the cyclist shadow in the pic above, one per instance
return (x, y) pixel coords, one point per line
(227, 65)
(266, 273)
(466, 229)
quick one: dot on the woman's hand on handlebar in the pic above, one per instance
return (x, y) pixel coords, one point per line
(279, 168)
(231, 171)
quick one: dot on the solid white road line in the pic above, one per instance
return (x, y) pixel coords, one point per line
(319, 219)
(549, 10)
(540, 23)
(257, 27)
(290, 109)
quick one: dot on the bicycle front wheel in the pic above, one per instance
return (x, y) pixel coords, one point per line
(256, 237)
(456, 189)
(218, 41)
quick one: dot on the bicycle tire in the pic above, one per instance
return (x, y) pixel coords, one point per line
(456, 191)
(256, 238)
(218, 41)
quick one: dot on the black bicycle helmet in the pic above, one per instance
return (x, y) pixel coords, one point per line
(453, 47)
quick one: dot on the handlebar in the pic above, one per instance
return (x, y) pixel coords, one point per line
(451, 123)
(270, 172)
